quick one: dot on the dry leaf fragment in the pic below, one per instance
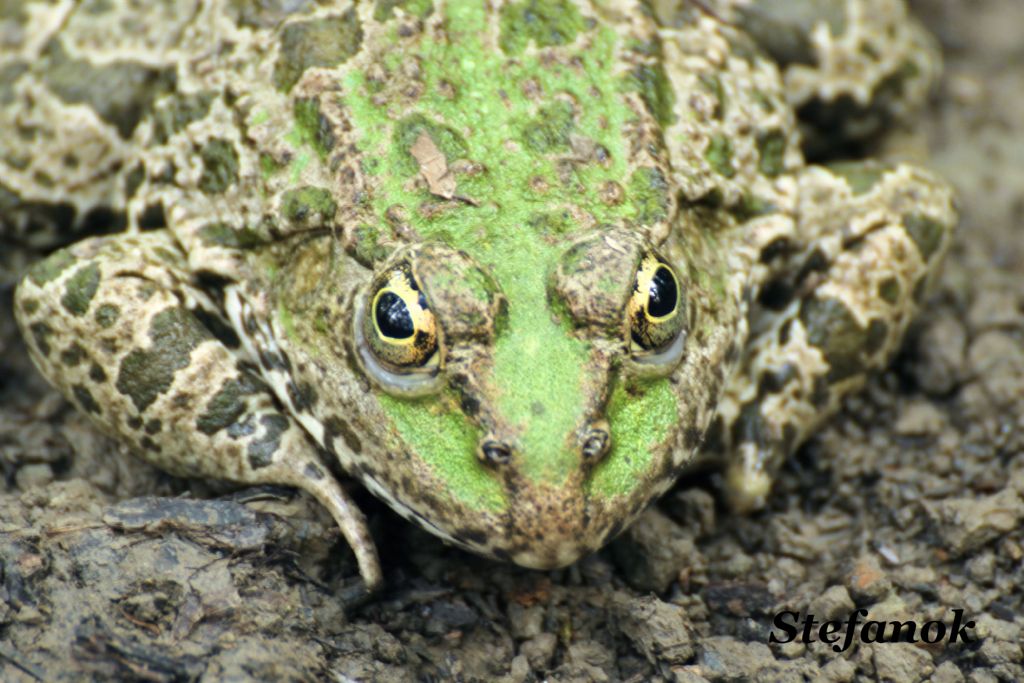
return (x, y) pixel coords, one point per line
(433, 166)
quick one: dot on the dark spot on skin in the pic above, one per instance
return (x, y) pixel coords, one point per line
(228, 404)
(545, 23)
(51, 267)
(313, 127)
(218, 328)
(40, 331)
(771, 148)
(833, 329)
(691, 438)
(335, 426)
(96, 373)
(261, 451)
(775, 295)
(80, 288)
(238, 430)
(551, 129)
(135, 422)
(749, 425)
(470, 406)
(732, 353)
(309, 206)
(783, 28)
(79, 82)
(72, 355)
(819, 395)
(713, 84)
(313, 471)
(146, 373)
(784, 330)
(788, 438)
(176, 112)
(501, 554)
(860, 177)
(227, 235)
(719, 156)
(106, 315)
(303, 396)
(816, 262)
(920, 289)
(777, 247)
(85, 399)
(153, 426)
(877, 333)
(146, 290)
(926, 232)
(275, 361)
(29, 306)
(13, 14)
(220, 166)
(149, 445)
(648, 192)
(773, 381)
(327, 41)
(889, 290)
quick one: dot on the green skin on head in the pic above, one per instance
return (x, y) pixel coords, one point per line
(534, 143)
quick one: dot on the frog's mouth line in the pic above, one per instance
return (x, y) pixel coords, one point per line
(655, 364)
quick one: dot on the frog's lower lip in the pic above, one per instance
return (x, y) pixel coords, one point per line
(553, 557)
(551, 526)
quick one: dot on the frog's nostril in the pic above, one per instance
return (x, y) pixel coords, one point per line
(494, 452)
(596, 441)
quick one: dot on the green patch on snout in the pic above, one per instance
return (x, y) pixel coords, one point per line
(539, 378)
(640, 423)
(447, 442)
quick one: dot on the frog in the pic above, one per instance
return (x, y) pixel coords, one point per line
(513, 266)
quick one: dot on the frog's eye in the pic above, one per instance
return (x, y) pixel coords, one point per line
(397, 335)
(655, 312)
(400, 328)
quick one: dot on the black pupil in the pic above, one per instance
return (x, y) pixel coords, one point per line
(393, 317)
(663, 293)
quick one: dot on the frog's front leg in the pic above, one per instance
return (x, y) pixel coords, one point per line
(869, 241)
(117, 325)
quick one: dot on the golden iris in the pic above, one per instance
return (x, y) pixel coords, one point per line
(403, 330)
(654, 307)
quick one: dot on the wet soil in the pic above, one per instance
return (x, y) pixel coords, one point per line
(908, 504)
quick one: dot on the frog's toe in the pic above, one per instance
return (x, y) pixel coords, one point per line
(747, 481)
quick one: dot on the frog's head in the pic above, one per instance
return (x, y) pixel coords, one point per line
(530, 413)
(515, 376)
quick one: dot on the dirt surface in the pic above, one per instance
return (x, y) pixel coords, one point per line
(909, 504)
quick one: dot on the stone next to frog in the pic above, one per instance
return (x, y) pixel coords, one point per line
(513, 267)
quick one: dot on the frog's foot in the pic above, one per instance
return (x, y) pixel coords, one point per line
(117, 326)
(871, 239)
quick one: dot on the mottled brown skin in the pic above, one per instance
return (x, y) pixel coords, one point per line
(290, 182)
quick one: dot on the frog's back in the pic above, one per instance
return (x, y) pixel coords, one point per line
(557, 116)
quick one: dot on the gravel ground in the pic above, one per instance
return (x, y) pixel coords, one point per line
(909, 505)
